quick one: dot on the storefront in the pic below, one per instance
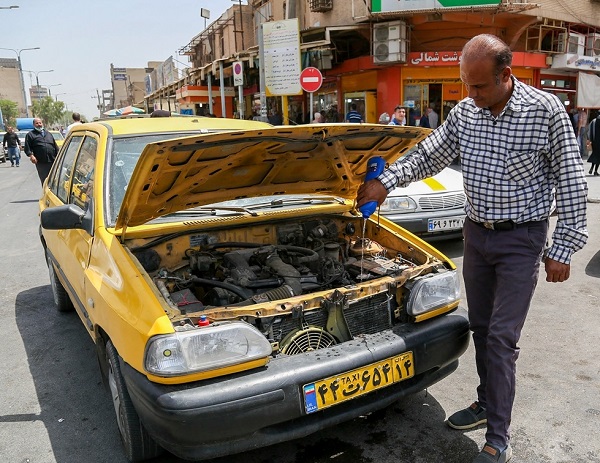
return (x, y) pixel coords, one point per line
(432, 79)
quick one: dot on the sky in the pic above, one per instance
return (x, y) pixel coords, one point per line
(79, 40)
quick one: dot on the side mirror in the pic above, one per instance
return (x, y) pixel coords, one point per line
(67, 217)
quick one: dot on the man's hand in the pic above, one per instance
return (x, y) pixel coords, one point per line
(556, 272)
(33, 159)
(372, 190)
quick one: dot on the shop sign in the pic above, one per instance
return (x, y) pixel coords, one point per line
(119, 76)
(576, 62)
(387, 6)
(434, 58)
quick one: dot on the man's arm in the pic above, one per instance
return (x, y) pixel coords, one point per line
(566, 167)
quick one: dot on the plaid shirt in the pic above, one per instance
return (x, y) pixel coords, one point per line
(513, 165)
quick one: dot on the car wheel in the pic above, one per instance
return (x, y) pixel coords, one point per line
(138, 444)
(61, 298)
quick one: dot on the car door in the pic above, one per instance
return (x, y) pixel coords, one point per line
(71, 182)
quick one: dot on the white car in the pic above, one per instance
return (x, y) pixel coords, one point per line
(432, 209)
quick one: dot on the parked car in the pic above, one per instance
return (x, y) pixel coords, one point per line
(22, 134)
(3, 151)
(58, 137)
(222, 271)
(432, 209)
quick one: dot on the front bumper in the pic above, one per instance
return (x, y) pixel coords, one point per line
(253, 409)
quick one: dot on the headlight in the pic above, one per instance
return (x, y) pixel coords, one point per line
(399, 204)
(205, 349)
(433, 292)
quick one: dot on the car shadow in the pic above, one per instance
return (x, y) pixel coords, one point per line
(77, 413)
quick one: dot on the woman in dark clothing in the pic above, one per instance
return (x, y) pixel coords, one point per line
(594, 136)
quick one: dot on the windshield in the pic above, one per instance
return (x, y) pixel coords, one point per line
(57, 136)
(123, 157)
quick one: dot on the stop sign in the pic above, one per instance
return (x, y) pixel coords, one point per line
(311, 79)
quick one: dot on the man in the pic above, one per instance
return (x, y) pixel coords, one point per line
(41, 148)
(516, 145)
(353, 115)
(432, 117)
(76, 120)
(318, 118)
(11, 140)
(398, 116)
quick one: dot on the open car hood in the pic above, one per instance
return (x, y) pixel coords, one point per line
(188, 172)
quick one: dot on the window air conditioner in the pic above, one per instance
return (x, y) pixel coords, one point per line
(389, 42)
(572, 43)
(592, 44)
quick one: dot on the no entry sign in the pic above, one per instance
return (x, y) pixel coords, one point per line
(311, 79)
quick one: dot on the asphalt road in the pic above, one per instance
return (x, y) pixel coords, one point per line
(54, 408)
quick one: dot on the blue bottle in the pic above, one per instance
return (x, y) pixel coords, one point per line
(375, 167)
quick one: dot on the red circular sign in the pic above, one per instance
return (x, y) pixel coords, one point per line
(311, 79)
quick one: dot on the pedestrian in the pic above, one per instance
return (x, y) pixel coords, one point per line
(41, 148)
(76, 121)
(160, 113)
(384, 118)
(398, 116)
(582, 132)
(12, 142)
(424, 121)
(517, 148)
(432, 117)
(353, 115)
(318, 118)
(594, 136)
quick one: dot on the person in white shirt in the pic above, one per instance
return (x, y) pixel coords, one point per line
(76, 120)
(433, 117)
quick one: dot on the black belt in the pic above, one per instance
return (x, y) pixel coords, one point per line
(506, 225)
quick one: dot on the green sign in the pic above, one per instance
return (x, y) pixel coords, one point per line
(386, 6)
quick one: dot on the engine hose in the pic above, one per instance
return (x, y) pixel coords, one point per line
(309, 254)
(241, 292)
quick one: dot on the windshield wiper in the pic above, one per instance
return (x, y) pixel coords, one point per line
(214, 210)
(280, 202)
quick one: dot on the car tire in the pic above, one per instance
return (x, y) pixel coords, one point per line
(137, 443)
(61, 297)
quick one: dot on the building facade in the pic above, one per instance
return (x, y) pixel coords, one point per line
(11, 84)
(381, 53)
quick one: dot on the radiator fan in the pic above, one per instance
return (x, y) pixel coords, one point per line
(306, 340)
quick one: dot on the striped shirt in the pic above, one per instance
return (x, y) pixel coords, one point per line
(514, 165)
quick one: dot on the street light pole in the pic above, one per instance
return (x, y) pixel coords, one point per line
(18, 52)
(53, 85)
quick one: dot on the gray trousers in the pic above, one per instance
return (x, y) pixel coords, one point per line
(500, 270)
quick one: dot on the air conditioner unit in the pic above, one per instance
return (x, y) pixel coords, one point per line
(389, 42)
(572, 43)
(592, 44)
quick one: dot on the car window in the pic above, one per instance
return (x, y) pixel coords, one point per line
(57, 136)
(124, 155)
(83, 173)
(64, 170)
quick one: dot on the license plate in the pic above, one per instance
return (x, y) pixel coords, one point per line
(445, 223)
(345, 386)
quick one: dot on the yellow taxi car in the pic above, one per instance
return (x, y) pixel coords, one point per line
(235, 295)
(58, 137)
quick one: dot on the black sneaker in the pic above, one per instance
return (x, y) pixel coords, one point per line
(490, 454)
(470, 417)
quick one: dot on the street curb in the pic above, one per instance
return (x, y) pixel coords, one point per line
(593, 200)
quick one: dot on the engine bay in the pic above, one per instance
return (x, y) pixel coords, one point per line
(304, 284)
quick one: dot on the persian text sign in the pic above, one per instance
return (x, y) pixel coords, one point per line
(386, 6)
(434, 58)
(281, 48)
